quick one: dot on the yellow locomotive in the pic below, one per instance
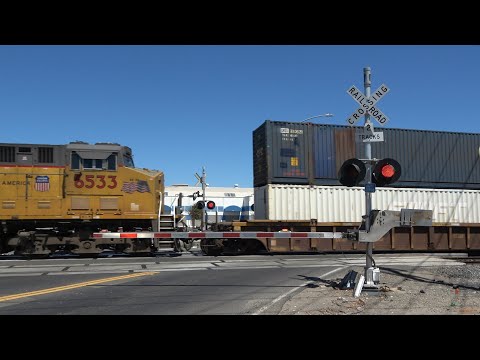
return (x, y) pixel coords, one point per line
(53, 197)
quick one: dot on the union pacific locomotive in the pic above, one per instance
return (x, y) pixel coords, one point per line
(53, 197)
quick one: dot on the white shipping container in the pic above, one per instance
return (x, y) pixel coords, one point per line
(344, 204)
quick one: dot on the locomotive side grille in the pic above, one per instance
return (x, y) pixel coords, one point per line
(7, 154)
(108, 203)
(8, 205)
(80, 203)
(45, 155)
(44, 205)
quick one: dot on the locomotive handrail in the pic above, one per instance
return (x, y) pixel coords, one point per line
(159, 210)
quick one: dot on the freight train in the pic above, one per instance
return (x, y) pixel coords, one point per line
(84, 198)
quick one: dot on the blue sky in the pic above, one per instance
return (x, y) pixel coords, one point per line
(183, 107)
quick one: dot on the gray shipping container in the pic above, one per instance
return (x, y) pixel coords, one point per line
(311, 154)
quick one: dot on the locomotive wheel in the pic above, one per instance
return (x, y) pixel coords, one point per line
(178, 245)
(183, 245)
(188, 244)
(210, 247)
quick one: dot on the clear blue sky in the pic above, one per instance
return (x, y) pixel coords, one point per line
(182, 107)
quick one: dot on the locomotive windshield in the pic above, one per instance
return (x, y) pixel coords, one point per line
(128, 161)
(82, 161)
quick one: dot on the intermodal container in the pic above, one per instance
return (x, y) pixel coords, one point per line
(340, 204)
(307, 153)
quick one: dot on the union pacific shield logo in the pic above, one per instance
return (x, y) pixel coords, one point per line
(42, 183)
